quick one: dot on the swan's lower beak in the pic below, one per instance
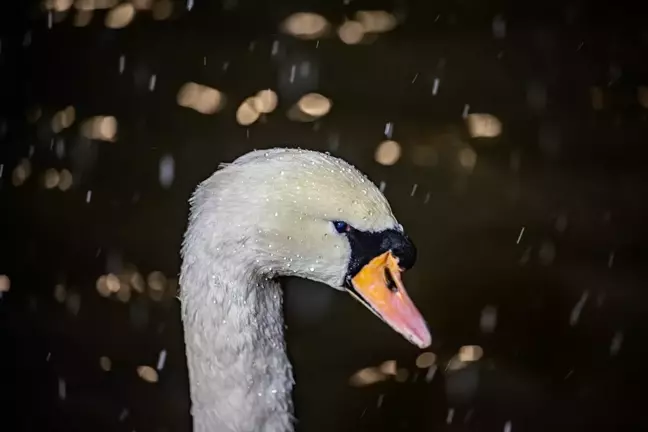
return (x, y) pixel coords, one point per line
(378, 286)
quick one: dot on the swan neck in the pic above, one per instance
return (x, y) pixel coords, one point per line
(240, 376)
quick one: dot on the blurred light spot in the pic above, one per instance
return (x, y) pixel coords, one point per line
(142, 4)
(499, 27)
(21, 172)
(5, 283)
(265, 101)
(470, 353)
(88, 196)
(120, 16)
(547, 252)
(578, 308)
(60, 293)
(100, 128)
(425, 360)
(65, 180)
(388, 367)
(611, 259)
(642, 96)
(536, 96)
(112, 283)
(389, 129)
(561, 223)
(58, 5)
(305, 25)
(137, 282)
(488, 319)
(401, 375)
(508, 426)
(51, 178)
(615, 346)
(124, 293)
(105, 363)
(73, 303)
(467, 158)
(102, 286)
(157, 281)
(351, 32)
(152, 82)
(147, 373)
(161, 360)
(246, 114)
(388, 152)
(450, 415)
(205, 100)
(162, 9)
(314, 104)
(484, 126)
(455, 364)
(166, 171)
(424, 155)
(596, 95)
(376, 21)
(62, 391)
(122, 63)
(367, 376)
(435, 86)
(63, 119)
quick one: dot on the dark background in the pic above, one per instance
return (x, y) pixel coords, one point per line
(571, 173)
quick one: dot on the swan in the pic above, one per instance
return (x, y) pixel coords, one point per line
(273, 213)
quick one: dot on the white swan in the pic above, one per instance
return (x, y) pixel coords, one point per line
(273, 213)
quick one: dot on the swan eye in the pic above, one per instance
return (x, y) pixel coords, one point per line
(341, 227)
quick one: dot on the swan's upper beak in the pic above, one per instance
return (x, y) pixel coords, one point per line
(378, 286)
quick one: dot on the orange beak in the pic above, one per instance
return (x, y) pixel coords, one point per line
(378, 286)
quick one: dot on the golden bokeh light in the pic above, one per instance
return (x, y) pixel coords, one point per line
(60, 293)
(367, 376)
(265, 101)
(467, 158)
(246, 114)
(162, 9)
(83, 17)
(314, 105)
(142, 4)
(85, 5)
(5, 283)
(102, 128)
(51, 178)
(65, 180)
(424, 155)
(147, 373)
(112, 283)
(470, 353)
(105, 363)
(351, 32)
(425, 360)
(102, 286)
(388, 152)
(376, 21)
(305, 25)
(21, 172)
(137, 282)
(388, 367)
(157, 281)
(58, 5)
(120, 16)
(483, 125)
(124, 293)
(203, 99)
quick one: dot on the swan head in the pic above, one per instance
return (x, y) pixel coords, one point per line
(289, 212)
